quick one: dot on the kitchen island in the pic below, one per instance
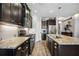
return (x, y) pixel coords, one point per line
(63, 46)
(14, 47)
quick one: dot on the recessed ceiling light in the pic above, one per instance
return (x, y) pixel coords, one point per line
(76, 15)
(35, 11)
(59, 7)
(50, 11)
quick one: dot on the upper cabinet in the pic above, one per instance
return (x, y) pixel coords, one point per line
(6, 12)
(44, 24)
(11, 13)
(15, 13)
(26, 16)
(28, 20)
(0, 11)
(51, 21)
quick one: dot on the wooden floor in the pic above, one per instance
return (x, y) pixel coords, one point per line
(40, 49)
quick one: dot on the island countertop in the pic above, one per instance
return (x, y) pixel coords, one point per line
(64, 40)
(12, 43)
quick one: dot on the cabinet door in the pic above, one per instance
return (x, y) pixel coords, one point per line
(0, 11)
(6, 12)
(28, 21)
(44, 25)
(47, 41)
(18, 51)
(52, 48)
(11, 13)
(49, 44)
(51, 22)
(32, 42)
(23, 49)
(15, 13)
(55, 48)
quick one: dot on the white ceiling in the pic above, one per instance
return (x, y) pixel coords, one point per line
(51, 9)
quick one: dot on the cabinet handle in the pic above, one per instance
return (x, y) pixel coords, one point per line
(55, 44)
(19, 48)
(55, 47)
(26, 41)
(26, 47)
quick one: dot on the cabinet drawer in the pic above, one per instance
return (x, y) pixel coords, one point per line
(18, 51)
(22, 50)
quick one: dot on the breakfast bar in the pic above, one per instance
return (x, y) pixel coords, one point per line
(63, 45)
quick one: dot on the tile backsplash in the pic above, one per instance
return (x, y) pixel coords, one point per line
(8, 32)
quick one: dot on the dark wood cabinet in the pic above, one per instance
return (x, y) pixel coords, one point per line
(55, 48)
(62, 50)
(43, 36)
(21, 50)
(15, 13)
(28, 21)
(0, 11)
(31, 42)
(50, 45)
(6, 12)
(44, 29)
(51, 22)
(67, 33)
(44, 24)
(11, 13)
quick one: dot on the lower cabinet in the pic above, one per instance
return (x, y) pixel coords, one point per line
(21, 50)
(55, 48)
(62, 50)
(52, 46)
(32, 43)
(25, 49)
(43, 36)
(67, 33)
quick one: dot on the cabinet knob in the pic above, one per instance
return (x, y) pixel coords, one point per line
(26, 47)
(19, 48)
(26, 41)
(55, 47)
(55, 44)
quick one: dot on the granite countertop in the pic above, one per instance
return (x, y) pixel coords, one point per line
(64, 40)
(12, 43)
